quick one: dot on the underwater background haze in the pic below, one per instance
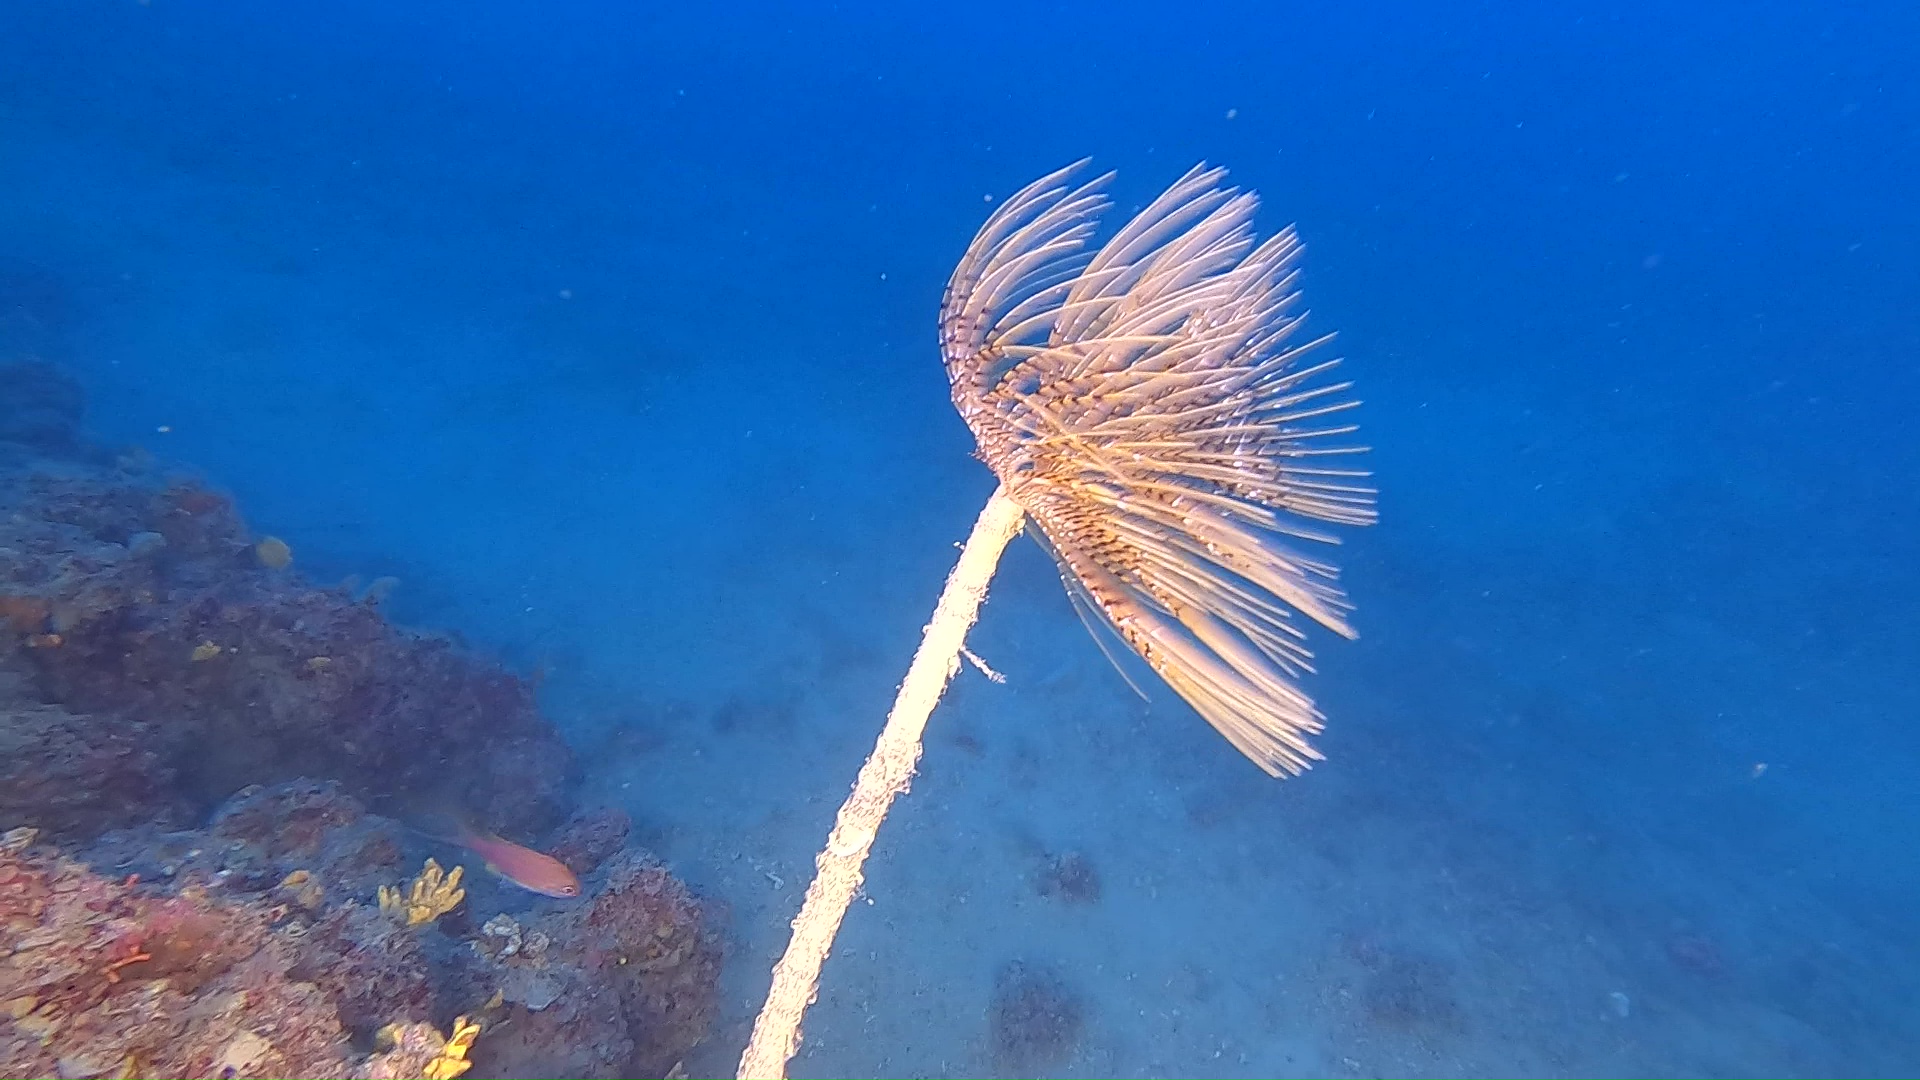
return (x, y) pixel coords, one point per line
(609, 331)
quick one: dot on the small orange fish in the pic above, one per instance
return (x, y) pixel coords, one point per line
(525, 867)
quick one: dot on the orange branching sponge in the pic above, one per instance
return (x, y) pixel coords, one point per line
(433, 893)
(453, 1056)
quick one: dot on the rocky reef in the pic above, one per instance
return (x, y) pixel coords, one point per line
(208, 769)
(259, 945)
(178, 661)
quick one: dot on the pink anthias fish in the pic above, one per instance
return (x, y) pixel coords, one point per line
(525, 867)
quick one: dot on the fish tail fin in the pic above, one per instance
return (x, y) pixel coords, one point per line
(446, 823)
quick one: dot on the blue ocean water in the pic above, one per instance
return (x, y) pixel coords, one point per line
(608, 330)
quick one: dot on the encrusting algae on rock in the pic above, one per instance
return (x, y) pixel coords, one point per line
(304, 889)
(196, 947)
(433, 893)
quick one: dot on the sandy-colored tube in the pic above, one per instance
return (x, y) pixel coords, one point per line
(885, 776)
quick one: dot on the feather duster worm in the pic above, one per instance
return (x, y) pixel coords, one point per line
(1147, 405)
